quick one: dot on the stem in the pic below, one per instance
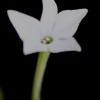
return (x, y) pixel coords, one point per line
(39, 73)
(1, 94)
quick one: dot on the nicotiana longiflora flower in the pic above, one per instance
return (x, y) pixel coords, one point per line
(53, 33)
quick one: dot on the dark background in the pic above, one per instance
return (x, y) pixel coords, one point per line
(69, 75)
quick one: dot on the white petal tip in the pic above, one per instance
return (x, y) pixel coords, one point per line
(79, 49)
(9, 12)
(12, 13)
(26, 52)
(84, 11)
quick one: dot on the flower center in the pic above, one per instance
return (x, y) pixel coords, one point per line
(47, 40)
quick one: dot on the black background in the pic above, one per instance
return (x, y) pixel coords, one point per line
(69, 75)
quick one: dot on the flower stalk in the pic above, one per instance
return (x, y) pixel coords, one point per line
(1, 94)
(39, 73)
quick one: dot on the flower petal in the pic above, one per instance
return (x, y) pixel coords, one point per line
(64, 45)
(68, 21)
(48, 15)
(26, 26)
(33, 47)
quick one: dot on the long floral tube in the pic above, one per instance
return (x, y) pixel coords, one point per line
(39, 73)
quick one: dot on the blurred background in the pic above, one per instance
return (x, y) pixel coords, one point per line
(69, 75)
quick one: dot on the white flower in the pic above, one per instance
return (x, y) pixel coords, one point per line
(53, 33)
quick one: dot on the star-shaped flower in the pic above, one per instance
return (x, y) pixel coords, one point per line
(53, 33)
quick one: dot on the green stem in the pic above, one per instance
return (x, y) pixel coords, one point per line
(39, 73)
(1, 94)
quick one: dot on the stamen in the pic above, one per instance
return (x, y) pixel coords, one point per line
(47, 40)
